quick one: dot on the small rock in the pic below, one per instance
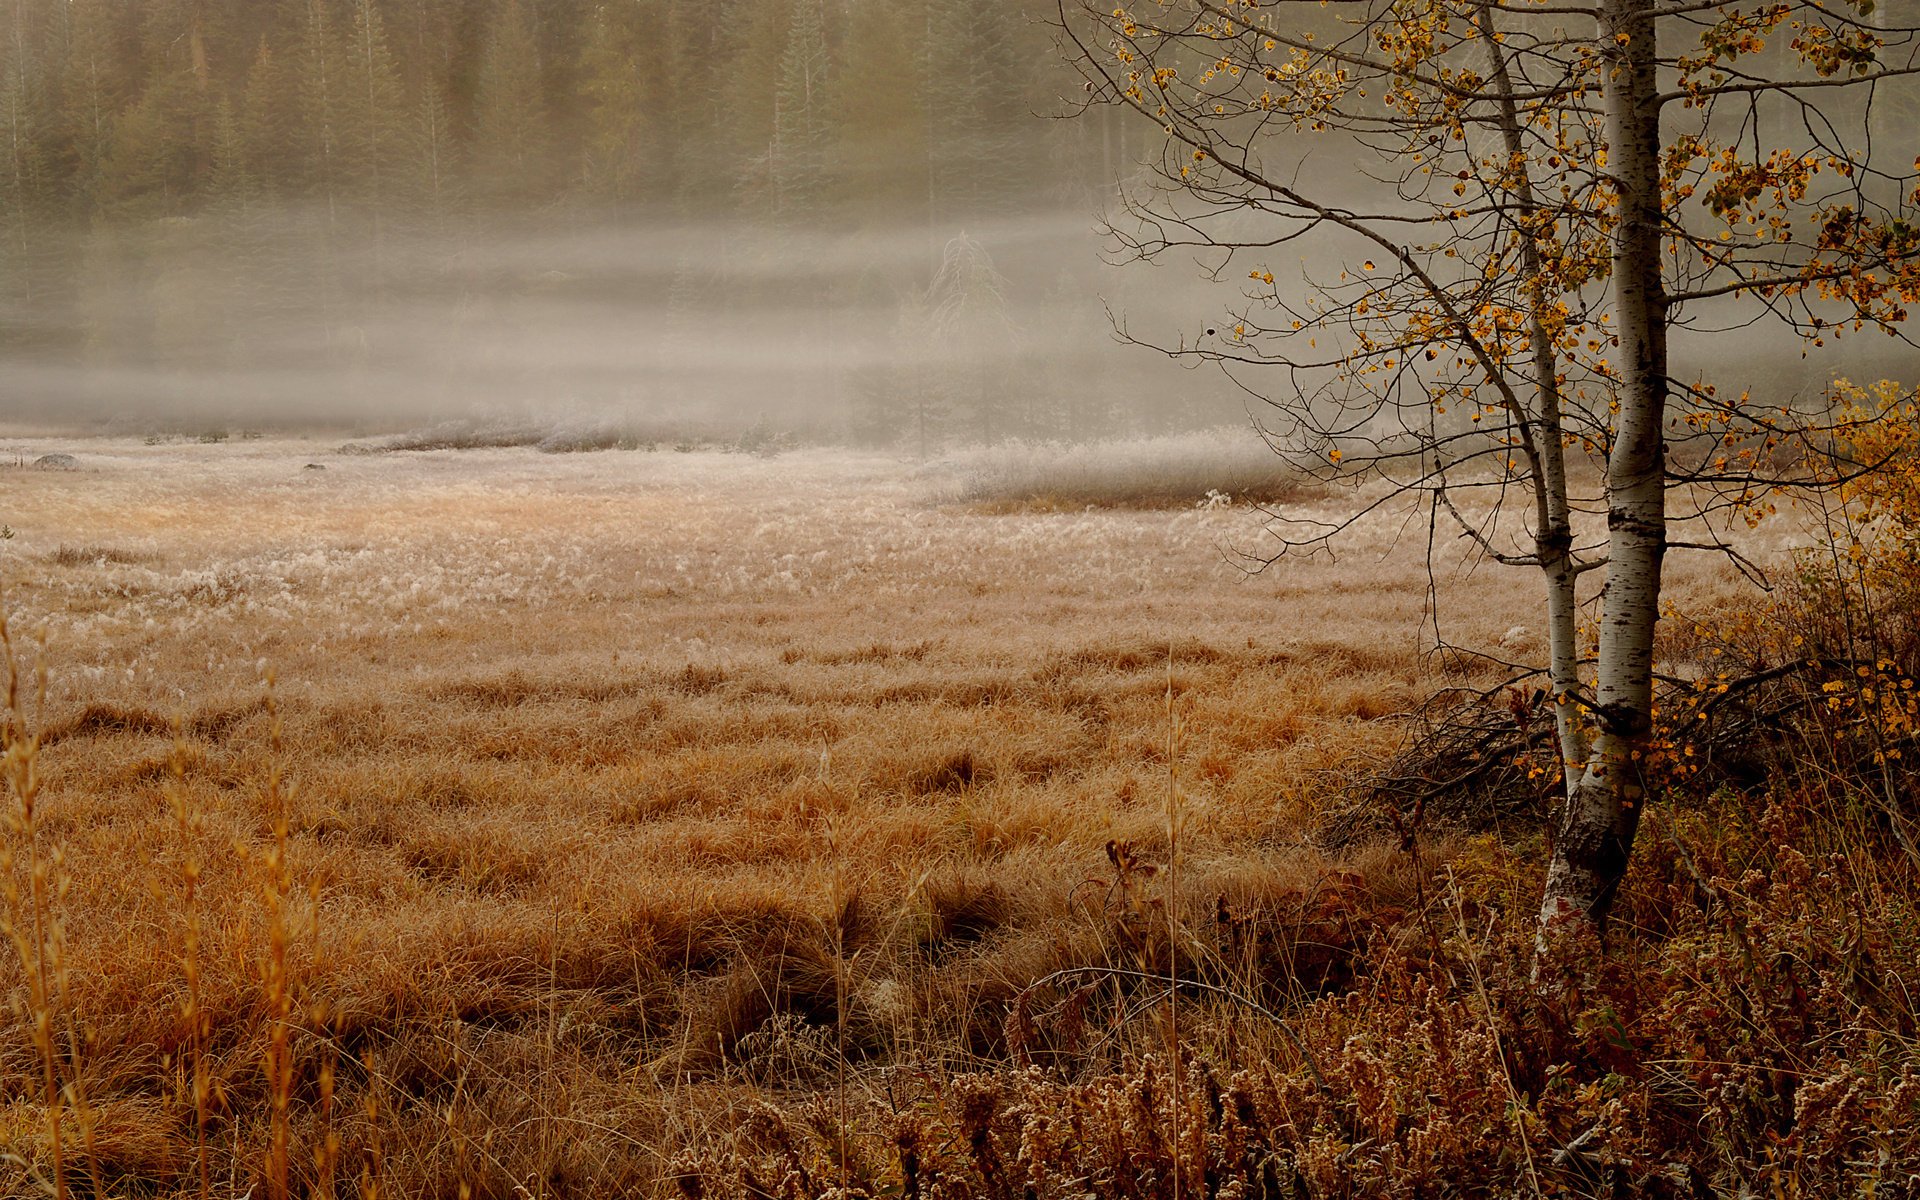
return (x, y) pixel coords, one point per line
(314, 467)
(56, 462)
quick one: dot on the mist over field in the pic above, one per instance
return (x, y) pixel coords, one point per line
(376, 215)
(828, 335)
(553, 211)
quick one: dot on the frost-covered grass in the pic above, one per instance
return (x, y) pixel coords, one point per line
(623, 786)
(1186, 470)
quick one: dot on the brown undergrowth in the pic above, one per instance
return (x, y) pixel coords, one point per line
(1750, 1029)
(755, 829)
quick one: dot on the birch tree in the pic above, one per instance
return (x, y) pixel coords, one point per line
(1466, 230)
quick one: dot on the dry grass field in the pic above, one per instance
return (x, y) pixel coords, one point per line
(624, 790)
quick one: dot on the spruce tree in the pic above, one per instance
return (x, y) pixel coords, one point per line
(880, 136)
(744, 100)
(272, 128)
(22, 167)
(618, 128)
(798, 160)
(160, 150)
(698, 158)
(975, 86)
(93, 91)
(231, 186)
(970, 328)
(321, 86)
(433, 180)
(509, 151)
(374, 150)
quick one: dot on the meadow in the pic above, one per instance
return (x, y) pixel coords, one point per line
(489, 823)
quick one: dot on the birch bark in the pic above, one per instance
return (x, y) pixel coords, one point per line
(1595, 833)
(1543, 434)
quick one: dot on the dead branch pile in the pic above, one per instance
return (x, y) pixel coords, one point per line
(1489, 760)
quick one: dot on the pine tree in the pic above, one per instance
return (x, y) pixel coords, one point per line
(160, 150)
(321, 88)
(432, 183)
(272, 128)
(93, 90)
(231, 186)
(618, 127)
(22, 166)
(970, 329)
(880, 137)
(698, 158)
(921, 386)
(509, 151)
(976, 87)
(744, 128)
(798, 159)
(374, 150)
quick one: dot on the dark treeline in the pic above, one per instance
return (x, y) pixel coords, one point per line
(795, 110)
(254, 195)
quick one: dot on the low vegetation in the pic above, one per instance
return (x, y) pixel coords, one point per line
(1217, 467)
(576, 436)
(721, 826)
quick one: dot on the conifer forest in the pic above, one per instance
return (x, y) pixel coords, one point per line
(228, 203)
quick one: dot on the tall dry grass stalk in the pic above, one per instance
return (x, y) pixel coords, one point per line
(1176, 821)
(837, 915)
(189, 822)
(550, 1048)
(373, 1171)
(276, 971)
(326, 1152)
(32, 926)
(457, 1117)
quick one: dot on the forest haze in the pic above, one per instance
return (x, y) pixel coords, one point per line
(414, 209)
(857, 220)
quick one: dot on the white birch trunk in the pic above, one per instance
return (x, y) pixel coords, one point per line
(1594, 836)
(1543, 438)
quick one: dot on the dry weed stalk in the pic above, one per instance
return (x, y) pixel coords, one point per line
(373, 1171)
(838, 900)
(189, 823)
(277, 977)
(456, 1116)
(551, 1050)
(327, 1152)
(31, 923)
(1176, 819)
(1516, 1106)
